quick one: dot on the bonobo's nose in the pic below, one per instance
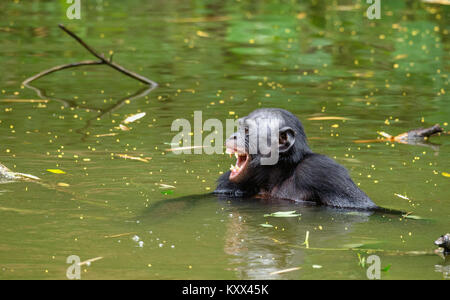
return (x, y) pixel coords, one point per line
(231, 142)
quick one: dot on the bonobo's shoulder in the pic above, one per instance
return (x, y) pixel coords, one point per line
(320, 166)
(319, 160)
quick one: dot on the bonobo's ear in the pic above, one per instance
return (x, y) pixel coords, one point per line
(286, 139)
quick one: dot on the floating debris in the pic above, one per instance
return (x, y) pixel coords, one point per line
(119, 235)
(126, 156)
(184, 148)
(124, 128)
(401, 196)
(306, 242)
(285, 271)
(89, 261)
(442, 2)
(24, 100)
(167, 192)
(266, 225)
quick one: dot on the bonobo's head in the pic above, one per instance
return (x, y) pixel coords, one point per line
(267, 138)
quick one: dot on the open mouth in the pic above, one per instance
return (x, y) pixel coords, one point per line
(242, 160)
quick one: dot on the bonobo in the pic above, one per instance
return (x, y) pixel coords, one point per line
(296, 174)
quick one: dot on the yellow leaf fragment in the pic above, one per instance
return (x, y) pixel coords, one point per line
(400, 56)
(202, 33)
(301, 15)
(56, 171)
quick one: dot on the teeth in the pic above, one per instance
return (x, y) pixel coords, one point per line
(235, 168)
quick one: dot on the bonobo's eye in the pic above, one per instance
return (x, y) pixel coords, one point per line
(283, 138)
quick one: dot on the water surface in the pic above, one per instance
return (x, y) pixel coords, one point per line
(225, 58)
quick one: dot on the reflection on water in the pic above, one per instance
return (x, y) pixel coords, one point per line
(344, 76)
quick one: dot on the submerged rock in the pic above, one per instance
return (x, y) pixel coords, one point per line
(7, 176)
(444, 242)
(418, 134)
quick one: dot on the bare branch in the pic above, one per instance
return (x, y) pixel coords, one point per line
(102, 60)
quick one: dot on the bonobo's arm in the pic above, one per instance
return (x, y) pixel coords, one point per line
(328, 183)
(228, 188)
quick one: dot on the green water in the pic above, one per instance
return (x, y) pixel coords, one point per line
(224, 58)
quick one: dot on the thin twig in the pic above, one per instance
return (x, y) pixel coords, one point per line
(62, 67)
(108, 62)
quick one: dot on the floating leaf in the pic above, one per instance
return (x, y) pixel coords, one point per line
(165, 186)
(386, 268)
(106, 134)
(167, 192)
(445, 174)
(327, 118)
(266, 225)
(134, 118)
(56, 171)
